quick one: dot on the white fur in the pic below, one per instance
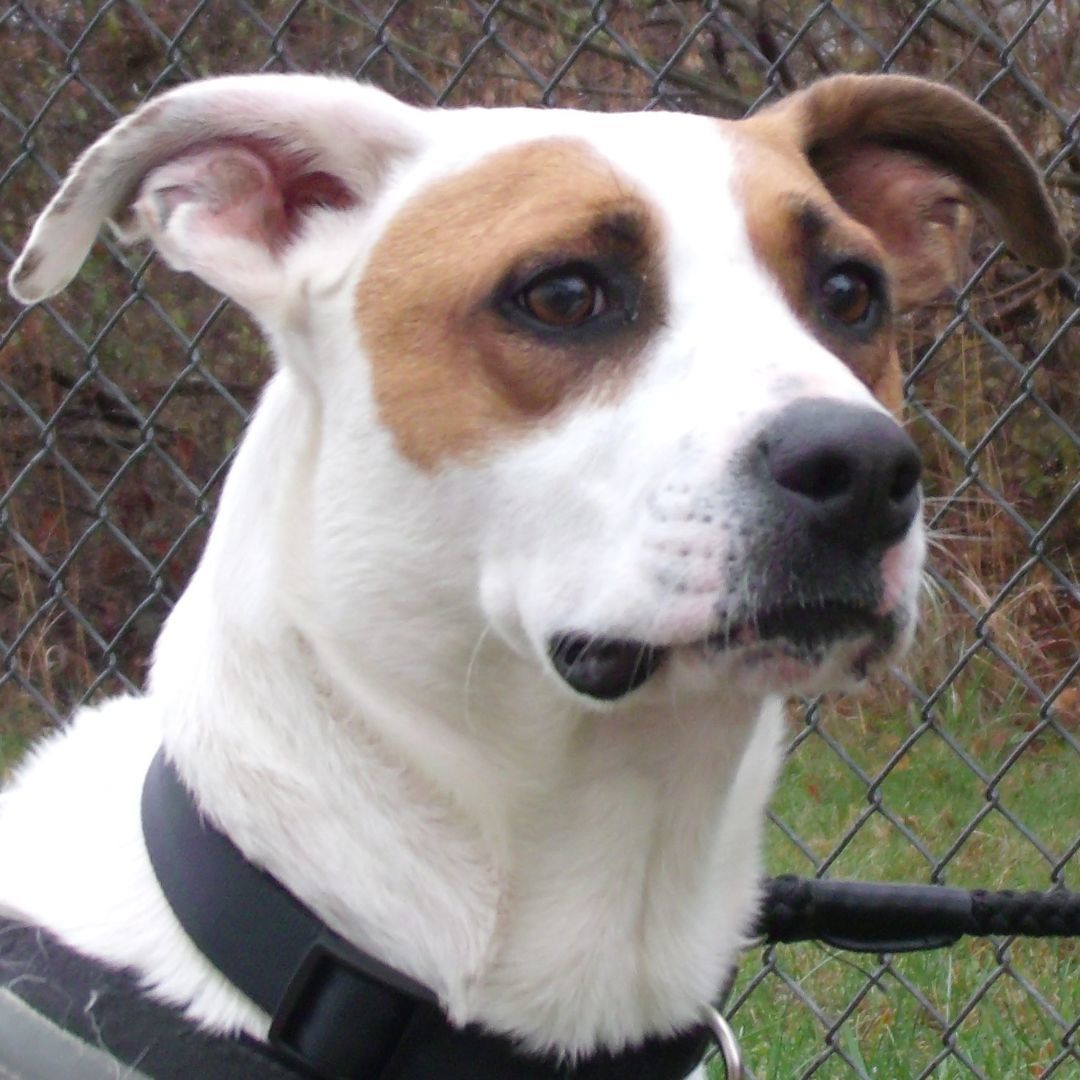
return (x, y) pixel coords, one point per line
(355, 683)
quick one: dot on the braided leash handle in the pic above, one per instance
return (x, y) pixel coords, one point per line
(870, 917)
(1030, 914)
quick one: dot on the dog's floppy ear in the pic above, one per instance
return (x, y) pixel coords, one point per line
(221, 174)
(903, 156)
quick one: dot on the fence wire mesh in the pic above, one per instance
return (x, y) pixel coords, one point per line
(122, 399)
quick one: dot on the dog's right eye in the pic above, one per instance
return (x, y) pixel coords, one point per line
(562, 299)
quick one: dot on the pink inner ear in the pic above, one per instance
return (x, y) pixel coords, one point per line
(300, 188)
(246, 189)
(310, 189)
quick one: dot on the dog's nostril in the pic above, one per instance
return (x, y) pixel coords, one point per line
(822, 477)
(905, 479)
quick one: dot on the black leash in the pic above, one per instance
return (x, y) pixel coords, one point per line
(869, 917)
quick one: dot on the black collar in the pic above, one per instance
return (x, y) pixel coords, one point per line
(336, 1011)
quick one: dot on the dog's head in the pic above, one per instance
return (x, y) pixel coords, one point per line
(636, 374)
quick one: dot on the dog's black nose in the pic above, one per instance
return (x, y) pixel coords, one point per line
(846, 472)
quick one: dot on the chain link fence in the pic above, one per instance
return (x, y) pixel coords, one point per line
(122, 399)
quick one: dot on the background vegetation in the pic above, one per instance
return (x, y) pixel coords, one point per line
(121, 401)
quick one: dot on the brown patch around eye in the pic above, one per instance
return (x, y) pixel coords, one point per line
(499, 294)
(822, 260)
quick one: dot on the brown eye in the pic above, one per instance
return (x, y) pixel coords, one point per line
(849, 295)
(562, 300)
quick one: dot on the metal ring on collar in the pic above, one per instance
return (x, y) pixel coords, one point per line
(726, 1041)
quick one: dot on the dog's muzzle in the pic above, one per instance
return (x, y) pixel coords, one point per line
(834, 486)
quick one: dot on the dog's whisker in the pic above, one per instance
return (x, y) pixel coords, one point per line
(470, 672)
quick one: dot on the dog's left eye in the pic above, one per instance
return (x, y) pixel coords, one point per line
(562, 299)
(851, 295)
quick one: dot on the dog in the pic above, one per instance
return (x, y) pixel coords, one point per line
(582, 452)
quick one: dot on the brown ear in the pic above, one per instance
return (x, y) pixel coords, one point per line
(903, 155)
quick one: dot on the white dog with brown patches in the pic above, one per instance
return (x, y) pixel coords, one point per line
(578, 458)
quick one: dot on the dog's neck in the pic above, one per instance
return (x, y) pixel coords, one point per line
(437, 799)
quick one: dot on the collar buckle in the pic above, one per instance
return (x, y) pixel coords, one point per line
(343, 1012)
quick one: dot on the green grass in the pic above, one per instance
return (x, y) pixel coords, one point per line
(12, 746)
(899, 1019)
(19, 727)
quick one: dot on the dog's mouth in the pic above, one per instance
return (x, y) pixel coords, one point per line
(607, 669)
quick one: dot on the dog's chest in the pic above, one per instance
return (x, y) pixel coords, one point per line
(619, 903)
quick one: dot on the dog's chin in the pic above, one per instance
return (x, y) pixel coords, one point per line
(792, 650)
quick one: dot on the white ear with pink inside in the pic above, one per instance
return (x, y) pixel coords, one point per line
(220, 214)
(223, 172)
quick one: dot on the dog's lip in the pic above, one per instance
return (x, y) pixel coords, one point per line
(604, 668)
(609, 668)
(808, 627)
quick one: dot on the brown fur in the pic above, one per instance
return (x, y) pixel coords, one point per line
(452, 374)
(917, 212)
(796, 229)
